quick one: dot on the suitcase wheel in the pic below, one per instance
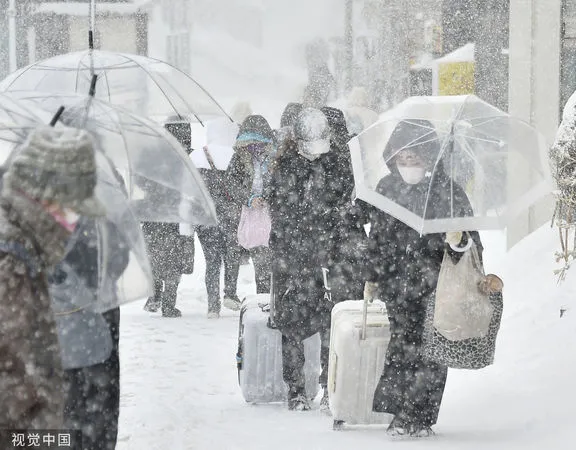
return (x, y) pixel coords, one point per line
(338, 425)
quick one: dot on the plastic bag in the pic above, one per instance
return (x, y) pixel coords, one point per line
(461, 310)
(254, 227)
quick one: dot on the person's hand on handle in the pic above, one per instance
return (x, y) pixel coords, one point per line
(454, 238)
(370, 291)
(257, 202)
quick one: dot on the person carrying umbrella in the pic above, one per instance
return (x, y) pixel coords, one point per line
(403, 268)
(48, 185)
(171, 252)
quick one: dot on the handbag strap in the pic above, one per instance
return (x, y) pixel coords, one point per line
(209, 158)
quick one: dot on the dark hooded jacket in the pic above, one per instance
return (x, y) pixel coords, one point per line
(406, 265)
(351, 239)
(240, 174)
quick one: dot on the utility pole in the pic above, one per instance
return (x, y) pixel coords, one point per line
(13, 64)
(349, 43)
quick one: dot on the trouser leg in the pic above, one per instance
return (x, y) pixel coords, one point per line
(169, 294)
(261, 257)
(210, 239)
(293, 360)
(231, 267)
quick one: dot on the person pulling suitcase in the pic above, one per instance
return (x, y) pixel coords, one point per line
(305, 200)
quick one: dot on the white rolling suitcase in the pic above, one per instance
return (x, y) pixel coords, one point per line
(359, 338)
(259, 355)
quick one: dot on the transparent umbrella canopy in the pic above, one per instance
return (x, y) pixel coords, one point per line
(134, 280)
(161, 182)
(16, 122)
(143, 85)
(113, 247)
(498, 161)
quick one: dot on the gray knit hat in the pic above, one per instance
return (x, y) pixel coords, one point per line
(58, 165)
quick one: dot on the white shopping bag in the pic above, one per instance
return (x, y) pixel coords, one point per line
(461, 310)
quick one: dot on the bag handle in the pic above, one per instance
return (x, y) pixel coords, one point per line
(364, 320)
(209, 158)
(475, 256)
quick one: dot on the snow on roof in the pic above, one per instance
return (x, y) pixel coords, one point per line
(462, 54)
(82, 9)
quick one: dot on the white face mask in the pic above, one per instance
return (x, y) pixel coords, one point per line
(412, 175)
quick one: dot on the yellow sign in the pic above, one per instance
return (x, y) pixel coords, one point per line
(456, 78)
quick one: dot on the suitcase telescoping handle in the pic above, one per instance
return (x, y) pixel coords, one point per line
(364, 320)
(273, 290)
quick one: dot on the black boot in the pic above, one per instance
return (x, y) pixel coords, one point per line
(297, 400)
(171, 312)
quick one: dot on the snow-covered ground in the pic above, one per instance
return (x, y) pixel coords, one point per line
(180, 390)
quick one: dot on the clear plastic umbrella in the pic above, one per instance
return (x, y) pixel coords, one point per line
(111, 249)
(161, 182)
(500, 162)
(16, 121)
(112, 286)
(143, 85)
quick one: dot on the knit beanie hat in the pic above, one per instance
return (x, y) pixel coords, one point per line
(254, 130)
(57, 165)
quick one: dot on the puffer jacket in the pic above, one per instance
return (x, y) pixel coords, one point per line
(31, 388)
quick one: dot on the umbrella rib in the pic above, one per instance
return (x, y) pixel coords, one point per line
(26, 69)
(181, 98)
(479, 139)
(191, 79)
(107, 84)
(438, 159)
(159, 87)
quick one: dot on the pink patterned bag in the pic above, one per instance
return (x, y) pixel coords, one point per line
(254, 227)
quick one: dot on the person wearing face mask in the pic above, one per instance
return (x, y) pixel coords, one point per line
(307, 194)
(48, 184)
(403, 271)
(247, 181)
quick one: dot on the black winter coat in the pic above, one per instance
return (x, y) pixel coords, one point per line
(308, 203)
(406, 265)
(170, 253)
(216, 183)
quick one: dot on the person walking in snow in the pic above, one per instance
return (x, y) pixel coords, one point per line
(403, 269)
(287, 120)
(171, 253)
(350, 239)
(89, 339)
(48, 185)
(220, 243)
(359, 115)
(248, 181)
(306, 194)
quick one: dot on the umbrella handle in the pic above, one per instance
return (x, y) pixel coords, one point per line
(93, 81)
(57, 116)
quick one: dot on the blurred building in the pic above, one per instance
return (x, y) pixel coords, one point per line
(48, 28)
(542, 76)
(486, 24)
